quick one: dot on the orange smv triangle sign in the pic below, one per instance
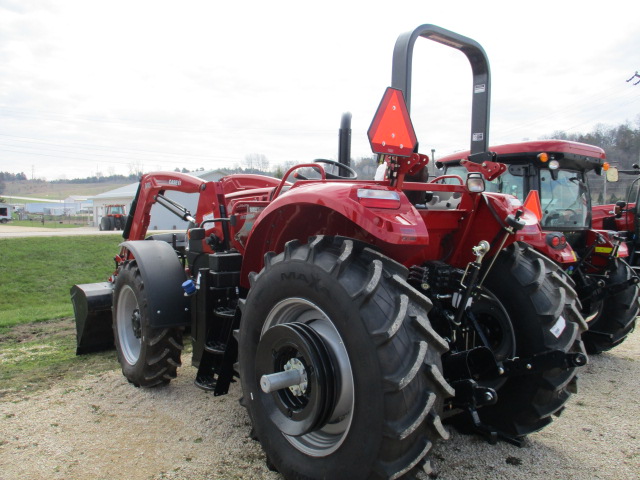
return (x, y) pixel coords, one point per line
(532, 202)
(391, 132)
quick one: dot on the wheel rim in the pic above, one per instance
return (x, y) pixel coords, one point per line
(128, 323)
(495, 326)
(331, 426)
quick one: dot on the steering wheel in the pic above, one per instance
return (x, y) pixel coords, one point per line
(350, 172)
(561, 217)
(573, 215)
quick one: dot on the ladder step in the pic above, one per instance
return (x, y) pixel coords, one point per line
(215, 348)
(205, 382)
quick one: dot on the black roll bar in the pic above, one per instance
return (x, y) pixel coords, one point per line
(401, 78)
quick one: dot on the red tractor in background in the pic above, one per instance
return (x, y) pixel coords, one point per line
(557, 169)
(623, 217)
(114, 217)
(356, 317)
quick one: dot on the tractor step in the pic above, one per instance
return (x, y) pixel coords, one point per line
(215, 367)
(206, 383)
(215, 348)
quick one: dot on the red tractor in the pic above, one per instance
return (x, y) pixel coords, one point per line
(557, 169)
(114, 217)
(355, 319)
(624, 216)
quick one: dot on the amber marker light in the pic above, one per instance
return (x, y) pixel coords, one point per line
(543, 157)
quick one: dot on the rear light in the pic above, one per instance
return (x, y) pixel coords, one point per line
(379, 198)
(557, 241)
(475, 183)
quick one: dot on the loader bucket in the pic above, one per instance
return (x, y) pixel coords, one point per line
(92, 308)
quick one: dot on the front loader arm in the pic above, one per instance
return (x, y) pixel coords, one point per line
(151, 186)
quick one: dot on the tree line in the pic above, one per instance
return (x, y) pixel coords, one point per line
(621, 144)
(12, 177)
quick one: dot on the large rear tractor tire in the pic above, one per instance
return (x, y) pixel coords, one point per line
(148, 356)
(617, 317)
(370, 389)
(545, 314)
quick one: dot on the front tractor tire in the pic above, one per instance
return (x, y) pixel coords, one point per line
(545, 313)
(369, 390)
(148, 356)
(616, 318)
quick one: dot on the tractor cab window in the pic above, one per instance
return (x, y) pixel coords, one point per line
(632, 192)
(505, 183)
(116, 210)
(564, 199)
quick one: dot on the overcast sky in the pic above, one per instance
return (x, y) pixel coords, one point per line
(108, 86)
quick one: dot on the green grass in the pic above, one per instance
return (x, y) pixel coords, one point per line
(38, 355)
(37, 331)
(37, 273)
(55, 191)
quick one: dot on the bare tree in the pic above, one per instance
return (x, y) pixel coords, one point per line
(256, 161)
(136, 167)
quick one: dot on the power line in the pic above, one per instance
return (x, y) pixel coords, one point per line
(635, 75)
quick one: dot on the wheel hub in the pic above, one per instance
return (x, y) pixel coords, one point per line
(136, 323)
(300, 388)
(307, 403)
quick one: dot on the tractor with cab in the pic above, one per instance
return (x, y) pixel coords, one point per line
(556, 170)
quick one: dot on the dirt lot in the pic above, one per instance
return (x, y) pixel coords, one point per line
(100, 427)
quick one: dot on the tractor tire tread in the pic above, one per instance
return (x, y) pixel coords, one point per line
(527, 403)
(617, 319)
(160, 348)
(410, 426)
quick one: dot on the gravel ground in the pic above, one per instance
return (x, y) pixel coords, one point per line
(100, 427)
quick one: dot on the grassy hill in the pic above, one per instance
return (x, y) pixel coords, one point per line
(57, 191)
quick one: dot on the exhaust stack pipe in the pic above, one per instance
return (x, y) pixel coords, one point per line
(344, 147)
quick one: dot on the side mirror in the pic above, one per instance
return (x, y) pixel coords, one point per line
(612, 174)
